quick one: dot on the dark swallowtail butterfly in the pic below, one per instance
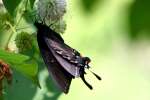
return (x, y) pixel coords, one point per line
(63, 62)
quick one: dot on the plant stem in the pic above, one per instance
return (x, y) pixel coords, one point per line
(22, 13)
(13, 31)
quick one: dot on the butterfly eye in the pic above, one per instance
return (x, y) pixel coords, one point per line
(87, 60)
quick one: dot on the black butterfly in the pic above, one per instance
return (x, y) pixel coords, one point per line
(63, 62)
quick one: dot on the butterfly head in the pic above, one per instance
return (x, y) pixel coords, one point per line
(86, 60)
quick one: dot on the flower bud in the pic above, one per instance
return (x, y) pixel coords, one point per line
(23, 42)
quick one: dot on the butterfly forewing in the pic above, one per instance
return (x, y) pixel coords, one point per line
(65, 52)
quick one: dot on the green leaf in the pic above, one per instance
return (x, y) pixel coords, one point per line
(32, 3)
(11, 5)
(139, 19)
(22, 64)
(89, 5)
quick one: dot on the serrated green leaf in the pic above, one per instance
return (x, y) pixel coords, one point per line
(22, 64)
(11, 5)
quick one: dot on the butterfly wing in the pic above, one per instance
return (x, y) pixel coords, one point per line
(61, 77)
(65, 56)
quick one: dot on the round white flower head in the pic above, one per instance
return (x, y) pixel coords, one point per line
(50, 10)
(59, 26)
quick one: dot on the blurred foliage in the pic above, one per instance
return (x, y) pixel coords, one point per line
(3, 18)
(11, 5)
(139, 19)
(24, 41)
(12, 23)
(22, 64)
(18, 48)
(88, 5)
(32, 3)
(4, 28)
(24, 89)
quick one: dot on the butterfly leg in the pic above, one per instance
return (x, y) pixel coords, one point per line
(83, 79)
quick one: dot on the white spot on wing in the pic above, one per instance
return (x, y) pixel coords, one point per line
(59, 52)
(76, 71)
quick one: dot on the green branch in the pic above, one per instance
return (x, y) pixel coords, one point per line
(13, 31)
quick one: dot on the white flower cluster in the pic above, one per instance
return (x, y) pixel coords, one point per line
(59, 26)
(51, 12)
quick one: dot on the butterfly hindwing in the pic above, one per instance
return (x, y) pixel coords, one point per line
(61, 77)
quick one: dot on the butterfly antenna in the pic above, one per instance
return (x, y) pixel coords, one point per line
(97, 76)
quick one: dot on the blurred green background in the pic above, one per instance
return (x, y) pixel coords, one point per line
(115, 35)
